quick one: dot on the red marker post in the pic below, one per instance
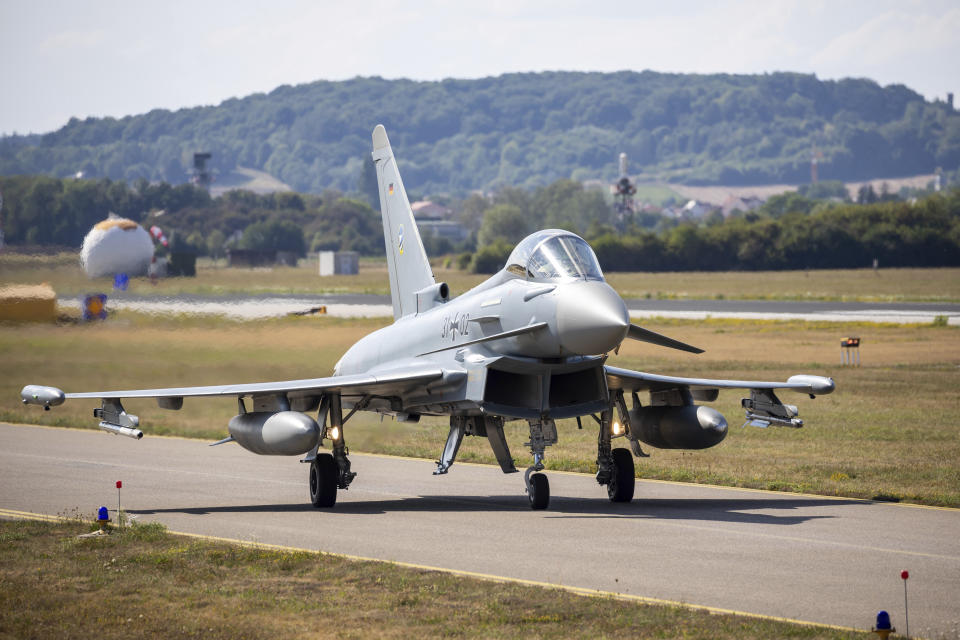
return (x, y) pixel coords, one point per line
(906, 612)
(119, 486)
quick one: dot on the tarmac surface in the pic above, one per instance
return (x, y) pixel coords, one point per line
(818, 559)
(365, 305)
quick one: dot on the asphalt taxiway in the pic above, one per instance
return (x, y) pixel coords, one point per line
(818, 559)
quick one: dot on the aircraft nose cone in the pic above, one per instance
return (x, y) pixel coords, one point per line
(591, 318)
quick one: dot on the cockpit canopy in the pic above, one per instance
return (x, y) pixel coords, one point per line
(554, 254)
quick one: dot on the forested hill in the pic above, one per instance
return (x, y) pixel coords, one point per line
(523, 129)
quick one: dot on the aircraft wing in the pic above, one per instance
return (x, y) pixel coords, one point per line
(763, 407)
(629, 380)
(385, 383)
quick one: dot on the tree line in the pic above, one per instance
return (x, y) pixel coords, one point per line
(809, 229)
(38, 210)
(787, 233)
(526, 129)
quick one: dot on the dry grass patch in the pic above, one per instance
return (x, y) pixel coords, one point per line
(64, 274)
(867, 285)
(143, 582)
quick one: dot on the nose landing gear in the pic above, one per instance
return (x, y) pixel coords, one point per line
(543, 433)
(538, 489)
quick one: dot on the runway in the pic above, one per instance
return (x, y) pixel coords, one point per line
(242, 307)
(823, 560)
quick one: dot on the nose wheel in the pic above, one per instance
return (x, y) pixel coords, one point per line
(538, 489)
(543, 433)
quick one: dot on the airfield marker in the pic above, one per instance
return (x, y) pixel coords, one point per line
(883, 628)
(119, 486)
(906, 612)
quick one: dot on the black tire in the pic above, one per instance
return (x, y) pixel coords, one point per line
(539, 491)
(623, 481)
(323, 481)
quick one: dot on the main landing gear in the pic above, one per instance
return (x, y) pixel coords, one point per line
(614, 466)
(330, 472)
(543, 433)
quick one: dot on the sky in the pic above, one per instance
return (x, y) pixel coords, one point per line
(61, 59)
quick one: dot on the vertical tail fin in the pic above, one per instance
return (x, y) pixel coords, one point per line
(406, 259)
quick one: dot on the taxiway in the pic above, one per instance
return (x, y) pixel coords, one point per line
(818, 559)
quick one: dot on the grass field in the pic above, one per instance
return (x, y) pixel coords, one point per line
(890, 431)
(64, 274)
(144, 582)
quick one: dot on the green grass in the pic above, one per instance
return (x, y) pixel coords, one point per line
(145, 582)
(64, 274)
(889, 429)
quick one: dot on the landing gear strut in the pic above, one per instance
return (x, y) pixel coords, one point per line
(329, 472)
(614, 466)
(543, 433)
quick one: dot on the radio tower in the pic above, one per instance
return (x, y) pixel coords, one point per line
(623, 191)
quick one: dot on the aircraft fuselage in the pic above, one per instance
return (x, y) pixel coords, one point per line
(513, 376)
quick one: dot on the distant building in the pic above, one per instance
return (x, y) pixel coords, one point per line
(434, 220)
(340, 263)
(695, 209)
(738, 203)
(430, 210)
(449, 229)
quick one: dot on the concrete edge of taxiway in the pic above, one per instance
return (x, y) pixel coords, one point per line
(489, 577)
(908, 505)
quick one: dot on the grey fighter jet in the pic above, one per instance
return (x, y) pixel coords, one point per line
(528, 344)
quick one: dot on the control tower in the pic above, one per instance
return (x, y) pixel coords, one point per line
(201, 175)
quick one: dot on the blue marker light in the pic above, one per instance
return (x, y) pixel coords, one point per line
(883, 621)
(103, 514)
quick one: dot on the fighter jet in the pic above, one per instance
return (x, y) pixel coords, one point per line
(530, 344)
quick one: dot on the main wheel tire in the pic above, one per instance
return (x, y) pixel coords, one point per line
(623, 481)
(539, 491)
(323, 481)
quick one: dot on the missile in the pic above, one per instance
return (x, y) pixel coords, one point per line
(116, 429)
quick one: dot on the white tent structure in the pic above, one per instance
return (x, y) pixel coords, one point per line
(116, 245)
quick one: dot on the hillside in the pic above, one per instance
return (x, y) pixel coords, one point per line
(523, 129)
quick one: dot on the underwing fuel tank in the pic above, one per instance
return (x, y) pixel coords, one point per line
(687, 427)
(285, 433)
